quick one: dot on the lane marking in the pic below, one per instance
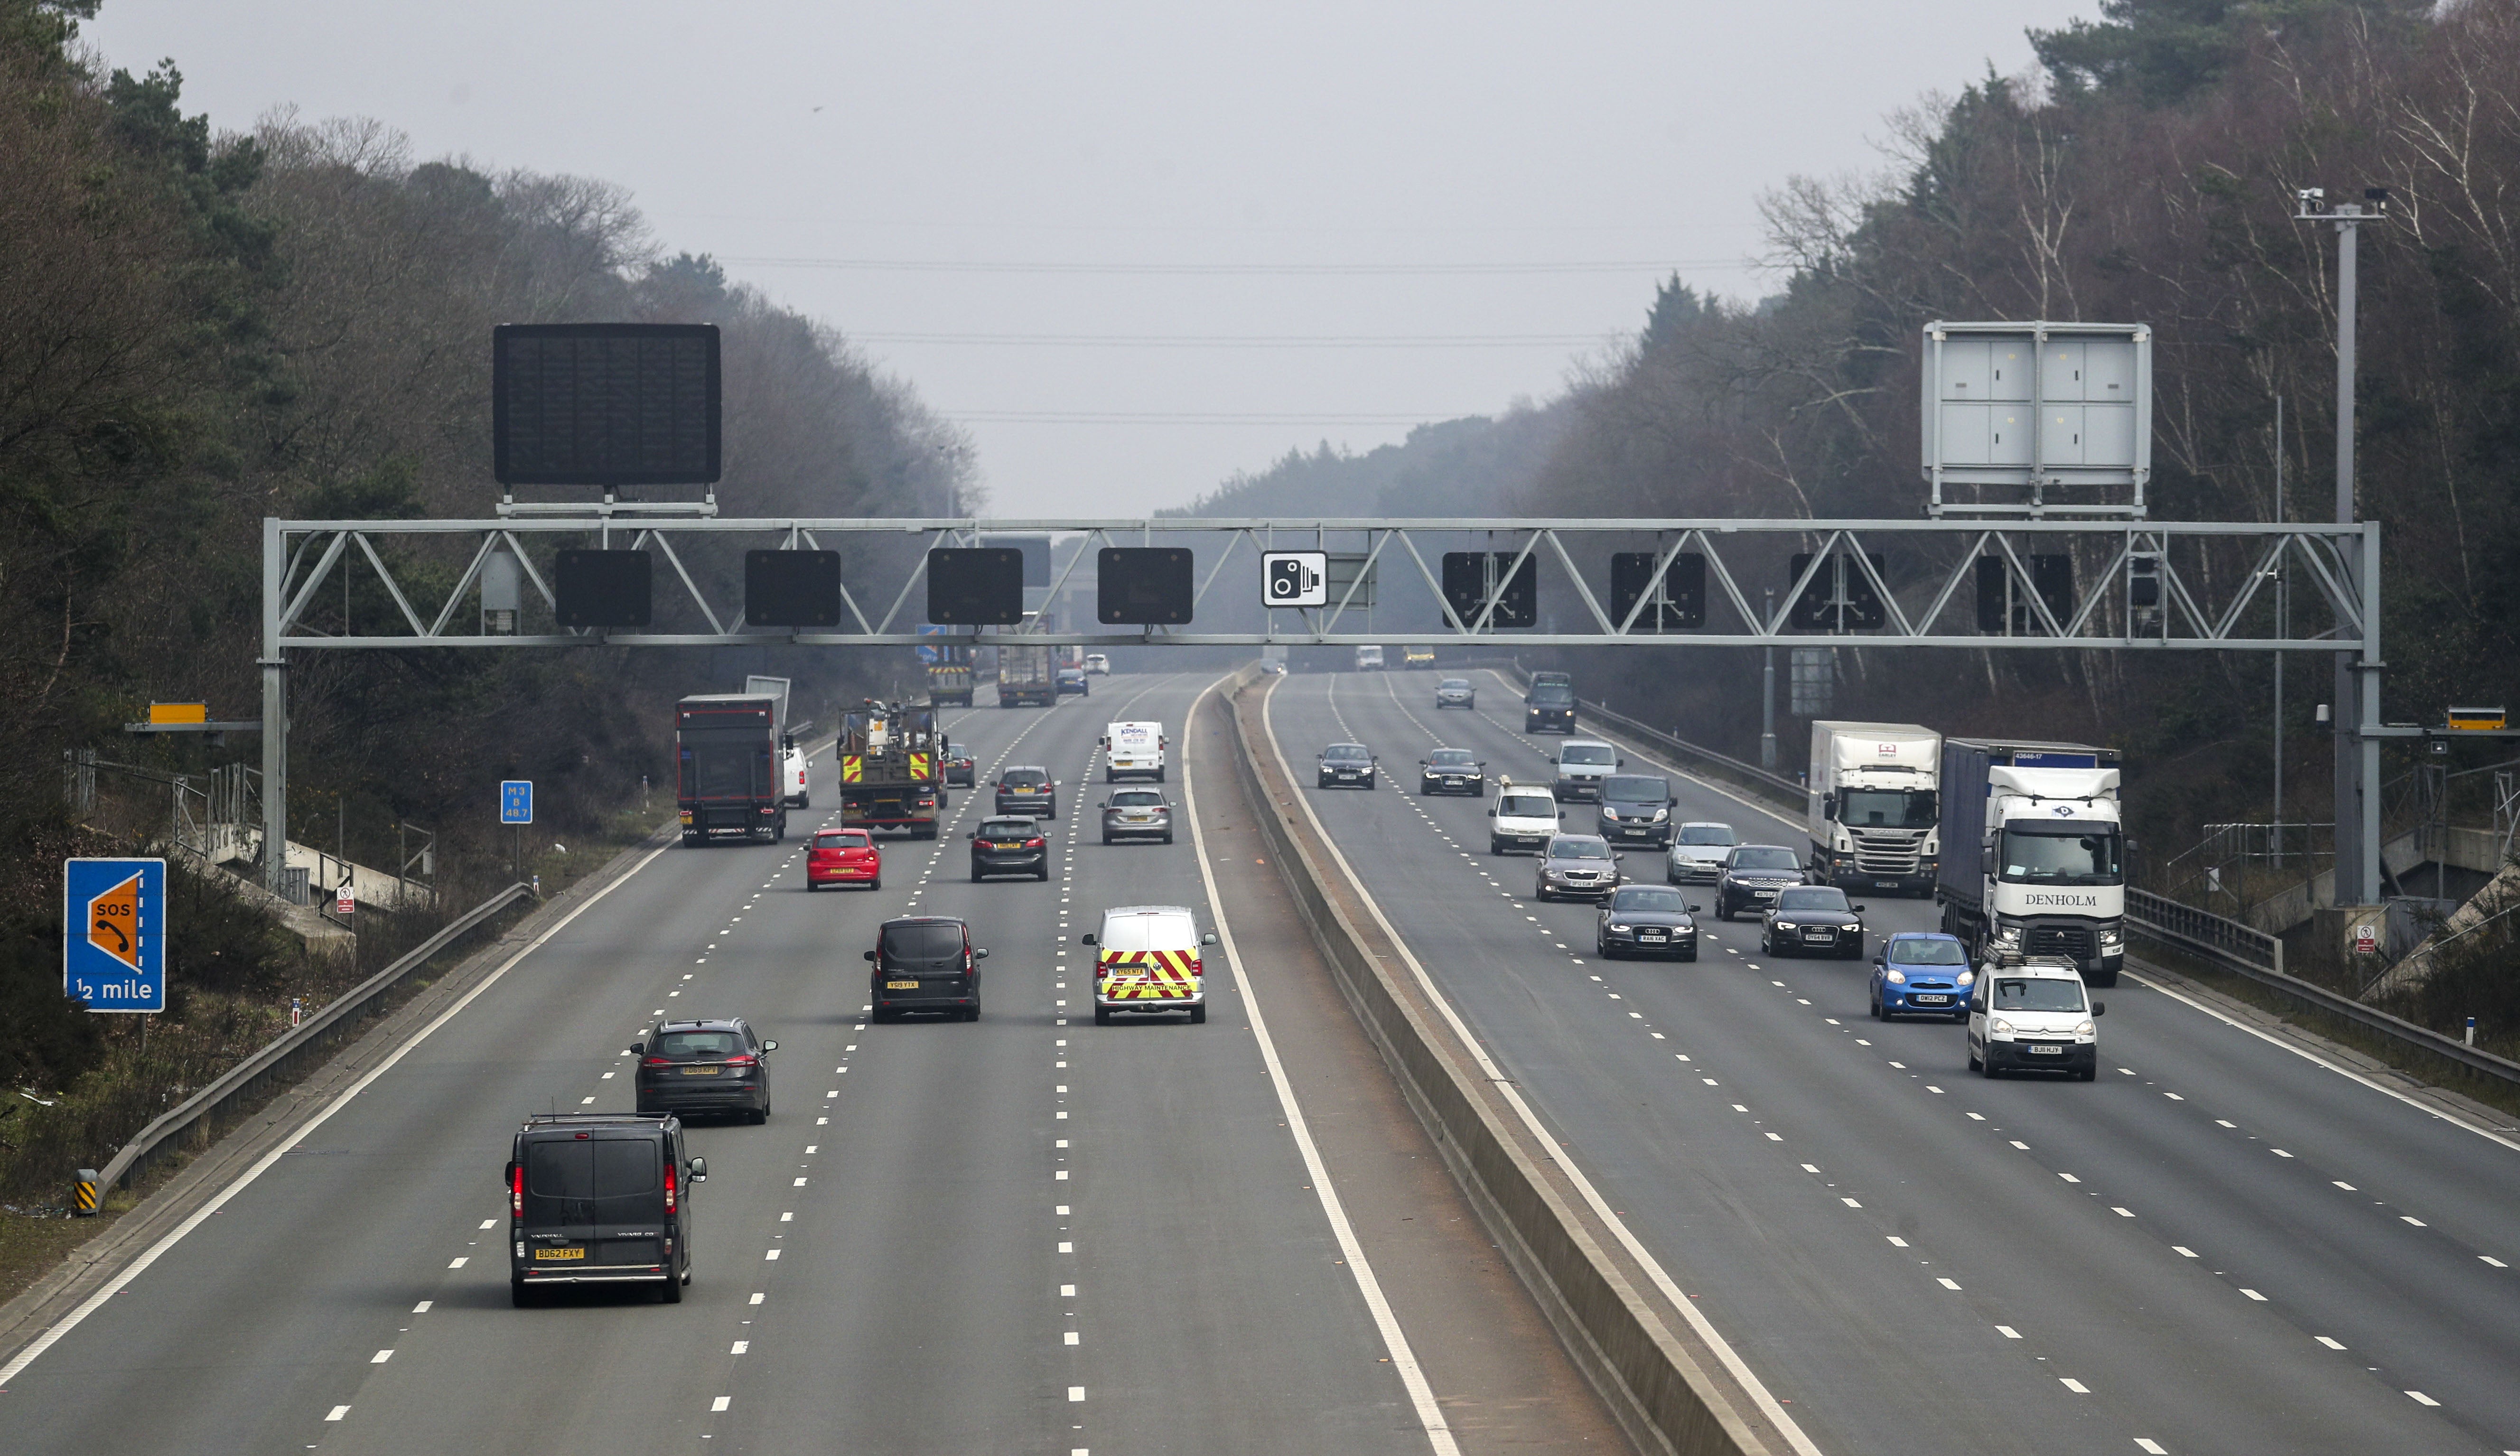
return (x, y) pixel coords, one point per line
(1422, 1395)
(336, 1413)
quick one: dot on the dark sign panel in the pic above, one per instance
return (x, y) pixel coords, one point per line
(792, 588)
(1841, 598)
(976, 587)
(1470, 577)
(1683, 589)
(599, 588)
(603, 404)
(1149, 585)
(1999, 590)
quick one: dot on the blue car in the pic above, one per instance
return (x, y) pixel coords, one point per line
(1921, 974)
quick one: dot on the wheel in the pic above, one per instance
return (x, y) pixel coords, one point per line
(1880, 1014)
(689, 838)
(2087, 1073)
(1974, 1064)
(1321, 783)
(1199, 1015)
(520, 1293)
(1042, 874)
(1960, 1017)
(811, 886)
(757, 1117)
(673, 1290)
(1106, 838)
(1495, 849)
(1690, 954)
(1423, 791)
(1053, 809)
(804, 801)
(1723, 909)
(975, 874)
(1159, 775)
(875, 884)
(1369, 784)
(972, 1014)
(1101, 1017)
(1168, 839)
(1602, 948)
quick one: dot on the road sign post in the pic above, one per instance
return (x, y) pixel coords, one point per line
(516, 807)
(114, 934)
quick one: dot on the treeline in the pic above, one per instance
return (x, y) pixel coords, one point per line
(199, 329)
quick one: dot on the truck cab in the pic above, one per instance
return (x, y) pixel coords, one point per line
(1874, 805)
(2034, 855)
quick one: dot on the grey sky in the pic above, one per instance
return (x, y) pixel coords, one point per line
(1290, 135)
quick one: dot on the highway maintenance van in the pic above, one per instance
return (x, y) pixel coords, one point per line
(1146, 959)
(1133, 750)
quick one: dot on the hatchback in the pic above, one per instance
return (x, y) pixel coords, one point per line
(924, 963)
(960, 771)
(1009, 847)
(1072, 683)
(1921, 974)
(704, 1065)
(1030, 792)
(844, 856)
(1697, 851)
(1137, 815)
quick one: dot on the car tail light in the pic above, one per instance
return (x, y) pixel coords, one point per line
(1196, 964)
(1032, 843)
(517, 1191)
(655, 1061)
(669, 1187)
(740, 1059)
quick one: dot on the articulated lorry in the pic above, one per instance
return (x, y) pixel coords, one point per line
(1873, 814)
(1027, 674)
(892, 768)
(728, 781)
(2033, 861)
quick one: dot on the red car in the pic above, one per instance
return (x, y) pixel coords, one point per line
(844, 856)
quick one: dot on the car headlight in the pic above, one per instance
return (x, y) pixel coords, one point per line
(1621, 927)
(1609, 813)
(1852, 926)
(2111, 940)
(1659, 815)
(1894, 976)
(2085, 1029)
(1999, 1027)
(1785, 925)
(2009, 935)
(1966, 978)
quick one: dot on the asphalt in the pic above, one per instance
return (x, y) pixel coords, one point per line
(2221, 1245)
(1022, 1233)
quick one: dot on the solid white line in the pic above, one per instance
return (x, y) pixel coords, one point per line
(201, 1215)
(2313, 1057)
(1422, 1395)
(1662, 1280)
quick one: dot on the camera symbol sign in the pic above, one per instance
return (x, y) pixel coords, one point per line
(113, 940)
(1295, 578)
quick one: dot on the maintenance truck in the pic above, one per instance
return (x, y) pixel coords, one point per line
(1872, 807)
(892, 768)
(728, 782)
(1027, 674)
(2033, 861)
(949, 677)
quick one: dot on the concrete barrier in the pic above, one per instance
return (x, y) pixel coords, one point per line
(1658, 1390)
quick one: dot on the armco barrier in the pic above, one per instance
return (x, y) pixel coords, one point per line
(199, 1116)
(1659, 1393)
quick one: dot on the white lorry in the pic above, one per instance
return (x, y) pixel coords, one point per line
(2033, 862)
(1133, 750)
(1872, 810)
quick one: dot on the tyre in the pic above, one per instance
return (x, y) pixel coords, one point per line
(972, 1014)
(1960, 1017)
(1168, 839)
(1424, 791)
(689, 839)
(875, 884)
(1043, 873)
(811, 886)
(1199, 1015)
(804, 801)
(1495, 849)
(975, 874)
(1369, 784)
(1690, 955)
(1974, 1064)
(757, 1117)
(1101, 1017)
(1602, 948)
(1159, 775)
(673, 1290)
(1052, 810)
(520, 1293)
(1106, 839)
(2090, 1073)
(1879, 1013)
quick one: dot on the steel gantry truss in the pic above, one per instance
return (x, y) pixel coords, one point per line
(2131, 585)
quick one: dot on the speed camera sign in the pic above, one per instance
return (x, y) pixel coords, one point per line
(1295, 578)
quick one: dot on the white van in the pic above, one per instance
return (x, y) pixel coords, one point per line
(1146, 958)
(2031, 1013)
(1369, 659)
(791, 767)
(1522, 818)
(1133, 750)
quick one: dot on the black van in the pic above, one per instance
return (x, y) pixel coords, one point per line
(924, 963)
(601, 1198)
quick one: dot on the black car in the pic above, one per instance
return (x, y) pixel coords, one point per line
(600, 1198)
(704, 1065)
(1072, 684)
(1814, 919)
(924, 963)
(1347, 765)
(1452, 771)
(1635, 809)
(1647, 920)
(1576, 867)
(960, 770)
(1030, 791)
(1751, 876)
(1548, 707)
(1009, 847)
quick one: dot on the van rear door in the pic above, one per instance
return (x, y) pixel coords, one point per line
(559, 1201)
(628, 1198)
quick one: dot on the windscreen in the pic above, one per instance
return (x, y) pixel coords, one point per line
(1451, 759)
(1765, 857)
(1348, 753)
(725, 762)
(1025, 777)
(1454, 682)
(1591, 755)
(1008, 829)
(923, 942)
(1553, 695)
(1136, 799)
(1708, 834)
(2037, 993)
(1819, 900)
(1886, 808)
(697, 1045)
(1526, 806)
(1928, 953)
(2061, 856)
(1650, 898)
(1631, 789)
(1578, 849)
(1149, 933)
(841, 838)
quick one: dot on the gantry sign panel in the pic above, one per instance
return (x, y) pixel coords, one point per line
(2175, 585)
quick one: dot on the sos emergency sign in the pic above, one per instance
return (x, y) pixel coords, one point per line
(114, 934)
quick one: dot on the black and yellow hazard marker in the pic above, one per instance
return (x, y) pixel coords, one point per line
(83, 1198)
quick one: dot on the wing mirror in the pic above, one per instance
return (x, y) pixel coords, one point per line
(1561, 816)
(770, 1046)
(1208, 939)
(1859, 910)
(870, 955)
(1697, 909)
(973, 836)
(2099, 1008)
(699, 1169)
(1877, 958)
(1491, 813)
(638, 1049)
(979, 955)
(1618, 763)
(1085, 940)
(1422, 763)
(508, 1177)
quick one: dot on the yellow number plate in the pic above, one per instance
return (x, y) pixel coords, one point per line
(559, 1253)
(699, 1071)
(901, 985)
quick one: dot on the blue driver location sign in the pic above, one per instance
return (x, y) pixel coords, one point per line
(114, 934)
(515, 801)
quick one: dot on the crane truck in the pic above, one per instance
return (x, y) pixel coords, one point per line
(892, 768)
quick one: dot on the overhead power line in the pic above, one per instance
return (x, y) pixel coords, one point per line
(1231, 271)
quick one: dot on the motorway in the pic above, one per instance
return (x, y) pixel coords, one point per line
(1024, 1234)
(2220, 1246)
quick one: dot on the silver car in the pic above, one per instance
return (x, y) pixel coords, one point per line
(1579, 867)
(1137, 815)
(1456, 692)
(1697, 851)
